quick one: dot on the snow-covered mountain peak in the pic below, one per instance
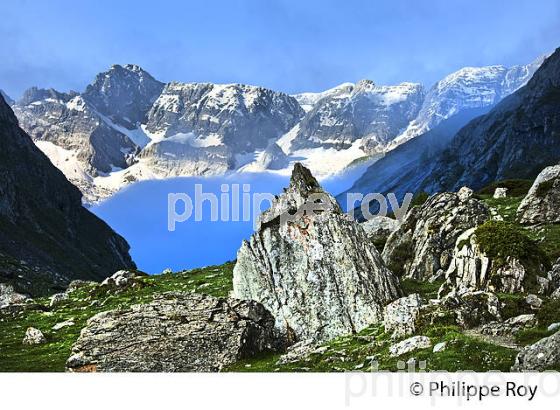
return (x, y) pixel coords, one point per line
(373, 114)
(471, 75)
(308, 100)
(124, 94)
(128, 126)
(467, 88)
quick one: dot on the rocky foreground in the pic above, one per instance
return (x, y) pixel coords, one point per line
(467, 281)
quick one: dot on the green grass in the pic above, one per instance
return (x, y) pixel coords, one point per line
(500, 240)
(505, 207)
(369, 350)
(347, 353)
(548, 238)
(426, 289)
(516, 187)
(419, 199)
(530, 336)
(51, 357)
(513, 304)
(548, 314)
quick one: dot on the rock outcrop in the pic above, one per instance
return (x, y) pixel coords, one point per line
(318, 273)
(500, 192)
(379, 228)
(123, 279)
(471, 269)
(509, 327)
(542, 203)
(541, 356)
(424, 242)
(400, 316)
(46, 237)
(466, 310)
(177, 332)
(554, 276)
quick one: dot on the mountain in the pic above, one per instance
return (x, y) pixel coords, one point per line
(6, 97)
(364, 113)
(127, 126)
(124, 94)
(71, 132)
(233, 120)
(467, 88)
(308, 100)
(516, 139)
(46, 237)
(397, 171)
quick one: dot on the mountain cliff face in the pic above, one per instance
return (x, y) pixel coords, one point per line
(222, 122)
(46, 237)
(517, 139)
(132, 127)
(68, 121)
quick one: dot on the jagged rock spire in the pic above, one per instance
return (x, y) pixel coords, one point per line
(318, 274)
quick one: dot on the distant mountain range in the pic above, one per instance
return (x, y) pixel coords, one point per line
(517, 138)
(127, 126)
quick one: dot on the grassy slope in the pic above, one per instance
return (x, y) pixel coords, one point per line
(213, 280)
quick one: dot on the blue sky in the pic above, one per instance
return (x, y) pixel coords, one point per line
(291, 46)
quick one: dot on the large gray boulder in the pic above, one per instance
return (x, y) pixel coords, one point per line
(319, 274)
(424, 242)
(177, 332)
(34, 336)
(472, 309)
(543, 355)
(511, 326)
(542, 203)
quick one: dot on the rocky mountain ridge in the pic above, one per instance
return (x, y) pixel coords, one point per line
(127, 126)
